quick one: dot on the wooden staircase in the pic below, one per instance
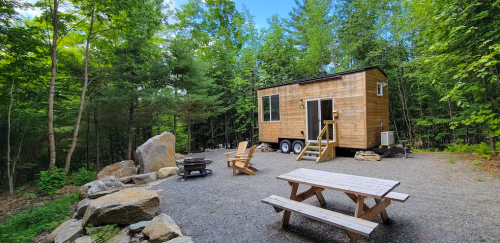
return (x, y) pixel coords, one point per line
(321, 149)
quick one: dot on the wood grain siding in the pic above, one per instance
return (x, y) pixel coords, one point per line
(348, 93)
(377, 107)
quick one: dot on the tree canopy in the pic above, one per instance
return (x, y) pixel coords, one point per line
(120, 72)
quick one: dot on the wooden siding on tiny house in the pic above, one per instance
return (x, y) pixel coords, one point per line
(354, 97)
(377, 107)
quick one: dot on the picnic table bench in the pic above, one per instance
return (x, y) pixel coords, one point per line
(357, 188)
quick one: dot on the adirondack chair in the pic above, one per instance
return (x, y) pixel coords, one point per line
(243, 163)
(241, 152)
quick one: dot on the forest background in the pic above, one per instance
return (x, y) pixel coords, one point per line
(87, 81)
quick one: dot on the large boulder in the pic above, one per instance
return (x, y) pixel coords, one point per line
(167, 171)
(145, 178)
(124, 207)
(156, 153)
(162, 228)
(106, 184)
(70, 232)
(118, 170)
(121, 237)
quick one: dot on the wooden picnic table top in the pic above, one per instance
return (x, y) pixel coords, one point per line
(359, 185)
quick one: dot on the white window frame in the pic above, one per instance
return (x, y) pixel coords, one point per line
(270, 108)
(319, 115)
(381, 90)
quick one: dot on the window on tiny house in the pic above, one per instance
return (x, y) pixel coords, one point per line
(380, 88)
(271, 108)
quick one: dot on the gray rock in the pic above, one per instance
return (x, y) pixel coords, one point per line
(81, 207)
(82, 192)
(138, 227)
(183, 239)
(70, 232)
(162, 228)
(52, 236)
(75, 215)
(106, 184)
(121, 237)
(84, 239)
(145, 178)
(101, 194)
(156, 153)
(124, 207)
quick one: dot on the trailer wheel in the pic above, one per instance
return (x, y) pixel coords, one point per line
(298, 146)
(286, 146)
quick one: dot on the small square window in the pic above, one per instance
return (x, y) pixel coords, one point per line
(380, 89)
(271, 108)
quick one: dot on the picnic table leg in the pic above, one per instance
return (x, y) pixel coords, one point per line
(360, 203)
(383, 214)
(293, 194)
(355, 199)
(320, 197)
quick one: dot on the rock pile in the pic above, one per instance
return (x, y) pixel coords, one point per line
(134, 210)
(366, 156)
(264, 147)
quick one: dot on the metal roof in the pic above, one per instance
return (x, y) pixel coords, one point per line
(326, 77)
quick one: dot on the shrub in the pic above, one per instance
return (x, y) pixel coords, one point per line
(102, 234)
(52, 180)
(482, 149)
(83, 176)
(23, 226)
(30, 195)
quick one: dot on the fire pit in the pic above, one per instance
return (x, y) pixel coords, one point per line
(193, 164)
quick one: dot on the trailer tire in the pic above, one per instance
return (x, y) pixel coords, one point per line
(298, 146)
(286, 146)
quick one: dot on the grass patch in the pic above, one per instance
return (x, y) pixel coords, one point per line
(479, 179)
(451, 160)
(23, 226)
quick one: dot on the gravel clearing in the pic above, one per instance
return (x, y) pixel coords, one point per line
(448, 203)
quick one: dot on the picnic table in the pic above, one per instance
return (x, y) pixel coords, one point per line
(357, 188)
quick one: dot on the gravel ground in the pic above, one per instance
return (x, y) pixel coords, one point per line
(447, 201)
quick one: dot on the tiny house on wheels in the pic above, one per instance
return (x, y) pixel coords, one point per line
(313, 116)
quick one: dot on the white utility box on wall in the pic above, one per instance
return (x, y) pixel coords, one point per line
(387, 138)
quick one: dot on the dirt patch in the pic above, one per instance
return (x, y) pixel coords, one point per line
(28, 198)
(474, 162)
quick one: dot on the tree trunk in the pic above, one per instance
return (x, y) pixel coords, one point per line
(175, 125)
(111, 151)
(129, 131)
(82, 96)
(96, 128)
(53, 70)
(87, 155)
(189, 137)
(9, 173)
